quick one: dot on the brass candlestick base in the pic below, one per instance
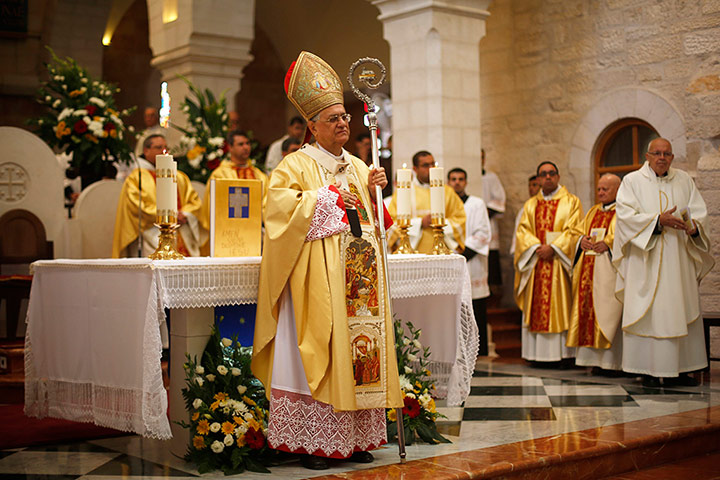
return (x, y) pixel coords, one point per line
(439, 247)
(167, 246)
(404, 240)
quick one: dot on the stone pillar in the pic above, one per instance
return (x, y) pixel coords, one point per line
(435, 78)
(207, 42)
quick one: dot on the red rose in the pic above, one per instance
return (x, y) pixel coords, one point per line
(109, 126)
(91, 109)
(225, 148)
(412, 407)
(80, 127)
(254, 439)
(213, 164)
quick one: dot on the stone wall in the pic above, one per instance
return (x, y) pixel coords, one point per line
(554, 70)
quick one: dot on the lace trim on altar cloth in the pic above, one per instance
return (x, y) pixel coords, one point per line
(299, 424)
(328, 217)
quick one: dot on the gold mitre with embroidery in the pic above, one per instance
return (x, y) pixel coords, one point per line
(312, 85)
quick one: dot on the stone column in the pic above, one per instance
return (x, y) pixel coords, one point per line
(207, 42)
(435, 78)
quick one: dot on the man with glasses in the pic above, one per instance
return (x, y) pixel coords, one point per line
(323, 343)
(545, 243)
(133, 199)
(661, 252)
(420, 231)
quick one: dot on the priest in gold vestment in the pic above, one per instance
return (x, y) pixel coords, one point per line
(324, 346)
(596, 313)
(420, 233)
(125, 238)
(239, 166)
(544, 249)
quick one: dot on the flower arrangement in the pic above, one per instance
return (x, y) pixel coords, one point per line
(82, 119)
(202, 146)
(228, 410)
(419, 412)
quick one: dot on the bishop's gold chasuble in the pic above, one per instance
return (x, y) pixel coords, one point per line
(542, 287)
(595, 314)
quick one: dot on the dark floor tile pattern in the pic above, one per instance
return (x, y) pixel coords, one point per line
(508, 390)
(129, 465)
(508, 414)
(592, 401)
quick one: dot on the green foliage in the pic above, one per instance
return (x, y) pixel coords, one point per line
(228, 410)
(419, 412)
(82, 118)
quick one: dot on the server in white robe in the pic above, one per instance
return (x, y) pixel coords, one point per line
(661, 252)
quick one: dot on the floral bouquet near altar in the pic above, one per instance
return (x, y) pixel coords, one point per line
(228, 410)
(202, 146)
(82, 118)
(419, 412)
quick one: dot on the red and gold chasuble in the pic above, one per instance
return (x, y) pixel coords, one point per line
(244, 173)
(542, 282)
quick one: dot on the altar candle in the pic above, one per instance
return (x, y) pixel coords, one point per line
(404, 192)
(437, 192)
(165, 185)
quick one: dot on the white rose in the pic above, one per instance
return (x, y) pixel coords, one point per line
(219, 111)
(411, 357)
(215, 427)
(199, 369)
(241, 389)
(197, 403)
(222, 369)
(199, 381)
(417, 343)
(185, 108)
(228, 440)
(84, 80)
(65, 113)
(216, 142)
(64, 87)
(241, 429)
(235, 372)
(408, 394)
(225, 116)
(226, 342)
(48, 98)
(217, 446)
(210, 377)
(408, 369)
(248, 416)
(406, 341)
(56, 103)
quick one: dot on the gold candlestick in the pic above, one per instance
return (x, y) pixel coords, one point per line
(167, 245)
(439, 247)
(404, 240)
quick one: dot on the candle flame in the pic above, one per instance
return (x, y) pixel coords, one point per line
(164, 151)
(404, 166)
(436, 164)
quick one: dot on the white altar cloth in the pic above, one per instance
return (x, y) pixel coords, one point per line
(96, 329)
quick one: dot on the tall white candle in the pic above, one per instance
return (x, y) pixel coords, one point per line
(165, 168)
(404, 192)
(437, 191)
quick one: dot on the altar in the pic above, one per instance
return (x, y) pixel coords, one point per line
(96, 329)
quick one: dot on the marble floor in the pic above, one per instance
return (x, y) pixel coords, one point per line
(510, 403)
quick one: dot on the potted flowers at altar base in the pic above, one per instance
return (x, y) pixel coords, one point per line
(419, 411)
(228, 410)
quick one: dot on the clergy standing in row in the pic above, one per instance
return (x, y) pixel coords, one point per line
(544, 250)
(239, 166)
(324, 346)
(596, 313)
(661, 252)
(132, 199)
(420, 232)
(493, 194)
(477, 243)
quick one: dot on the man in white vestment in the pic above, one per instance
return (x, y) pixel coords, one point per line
(324, 345)
(661, 252)
(596, 313)
(533, 189)
(477, 241)
(493, 194)
(295, 129)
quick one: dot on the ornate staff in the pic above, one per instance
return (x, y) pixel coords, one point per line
(368, 77)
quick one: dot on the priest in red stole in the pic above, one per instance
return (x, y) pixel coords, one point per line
(323, 343)
(596, 313)
(545, 244)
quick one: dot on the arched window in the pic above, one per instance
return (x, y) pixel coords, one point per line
(621, 147)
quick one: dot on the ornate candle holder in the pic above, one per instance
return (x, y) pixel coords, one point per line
(439, 247)
(404, 241)
(167, 245)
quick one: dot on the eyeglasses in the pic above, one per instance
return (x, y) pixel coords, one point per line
(662, 154)
(547, 174)
(346, 117)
